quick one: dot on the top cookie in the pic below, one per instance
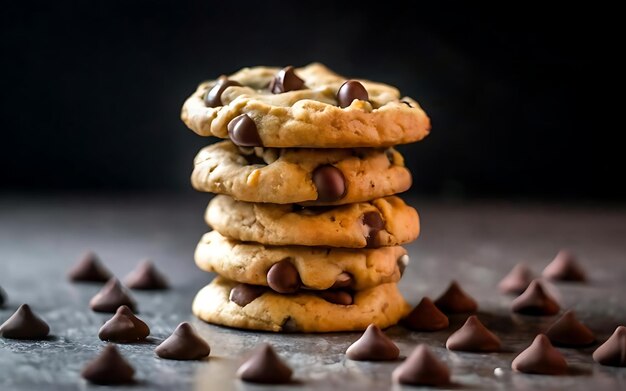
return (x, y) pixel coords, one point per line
(303, 107)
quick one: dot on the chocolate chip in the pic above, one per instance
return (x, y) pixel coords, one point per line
(109, 368)
(244, 294)
(390, 156)
(337, 297)
(422, 368)
(455, 301)
(373, 223)
(183, 344)
(3, 297)
(147, 277)
(535, 301)
(426, 317)
(564, 267)
(403, 262)
(613, 352)
(517, 280)
(89, 269)
(213, 97)
(473, 336)
(111, 297)
(253, 159)
(540, 358)
(124, 327)
(286, 80)
(283, 277)
(373, 345)
(24, 324)
(567, 331)
(407, 103)
(349, 91)
(330, 183)
(343, 280)
(264, 366)
(289, 325)
(243, 132)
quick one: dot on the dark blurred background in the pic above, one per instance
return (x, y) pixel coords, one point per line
(91, 91)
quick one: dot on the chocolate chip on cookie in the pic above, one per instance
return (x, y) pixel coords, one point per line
(286, 80)
(373, 223)
(243, 132)
(213, 97)
(283, 277)
(330, 183)
(337, 297)
(344, 280)
(244, 294)
(349, 91)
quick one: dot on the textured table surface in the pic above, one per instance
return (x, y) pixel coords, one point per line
(474, 243)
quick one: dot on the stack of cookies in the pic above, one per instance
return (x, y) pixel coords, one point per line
(307, 227)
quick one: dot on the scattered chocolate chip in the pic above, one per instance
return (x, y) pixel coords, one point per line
(403, 262)
(407, 103)
(111, 297)
(535, 301)
(454, 300)
(330, 183)
(343, 280)
(243, 132)
(568, 331)
(213, 97)
(422, 368)
(349, 91)
(3, 297)
(540, 358)
(109, 368)
(473, 336)
(613, 351)
(124, 327)
(264, 366)
(517, 280)
(390, 156)
(24, 324)
(426, 317)
(373, 223)
(283, 277)
(564, 267)
(183, 344)
(147, 277)
(244, 294)
(286, 80)
(337, 297)
(89, 269)
(373, 345)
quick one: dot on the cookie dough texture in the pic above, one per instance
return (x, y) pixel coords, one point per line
(383, 306)
(309, 117)
(318, 267)
(286, 175)
(339, 226)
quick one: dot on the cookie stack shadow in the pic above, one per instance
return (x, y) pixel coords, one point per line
(307, 229)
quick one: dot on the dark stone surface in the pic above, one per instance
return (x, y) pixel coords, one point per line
(475, 244)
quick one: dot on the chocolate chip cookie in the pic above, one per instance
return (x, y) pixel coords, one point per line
(229, 303)
(303, 107)
(384, 221)
(288, 269)
(304, 176)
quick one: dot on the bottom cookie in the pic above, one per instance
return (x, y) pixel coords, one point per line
(382, 305)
